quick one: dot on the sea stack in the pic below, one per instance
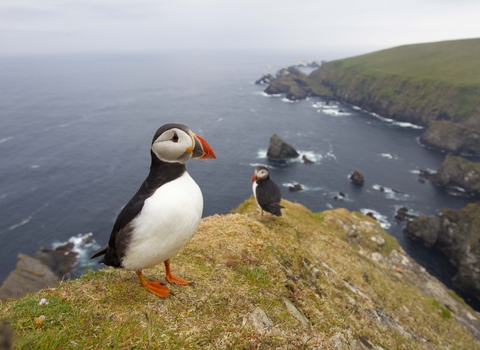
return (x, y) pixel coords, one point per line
(280, 150)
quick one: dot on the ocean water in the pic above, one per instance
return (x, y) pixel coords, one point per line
(76, 130)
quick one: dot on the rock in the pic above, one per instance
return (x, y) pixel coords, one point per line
(30, 275)
(306, 160)
(265, 79)
(452, 137)
(60, 260)
(6, 336)
(295, 312)
(458, 175)
(457, 234)
(44, 270)
(357, 178)
(291, 82)
(402, 214)
(296, 187)
(258, 320)
(280, 150)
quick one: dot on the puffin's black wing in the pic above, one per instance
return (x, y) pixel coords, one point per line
(269, 196)
(160, 173)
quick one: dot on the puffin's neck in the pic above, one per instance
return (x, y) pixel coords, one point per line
(162, 172)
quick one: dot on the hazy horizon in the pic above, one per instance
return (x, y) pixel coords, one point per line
(335, 30)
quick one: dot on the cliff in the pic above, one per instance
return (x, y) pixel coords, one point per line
(436, 85)
(330, 280)
(458, 175)
(457, 234)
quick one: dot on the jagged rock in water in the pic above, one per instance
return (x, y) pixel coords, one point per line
(357, 178)
(280, 150)
(265, 79)
(457, 174)
(457, 234)
(306, 160)
(296, 187)
(291, 82)
(402, 214)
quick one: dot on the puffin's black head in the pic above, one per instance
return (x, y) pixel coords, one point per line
(176, 143)
(261, 173)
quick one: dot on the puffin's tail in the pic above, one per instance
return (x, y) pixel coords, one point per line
(275, 209)
(100, 252)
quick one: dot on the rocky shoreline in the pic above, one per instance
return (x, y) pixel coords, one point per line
(453, 232)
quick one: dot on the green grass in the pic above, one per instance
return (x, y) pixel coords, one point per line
(451, 62)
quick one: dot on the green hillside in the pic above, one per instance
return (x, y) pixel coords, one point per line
(452, 62)
(436, 85)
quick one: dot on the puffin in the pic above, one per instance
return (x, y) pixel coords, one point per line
(266, 192)
(165, 212)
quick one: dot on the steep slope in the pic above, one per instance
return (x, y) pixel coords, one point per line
(331, 280)
(436, 85)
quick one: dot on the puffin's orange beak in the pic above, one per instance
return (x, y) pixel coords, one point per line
(201, 149)
(254, 177)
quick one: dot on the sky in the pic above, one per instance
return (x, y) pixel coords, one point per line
(339, 27)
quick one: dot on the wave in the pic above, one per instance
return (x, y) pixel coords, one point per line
(388, 155)
(5, 139)
(27, 219)
(333, 112)
(382, 219)
(83, 244)
(390, 193)
(304, 187)
(314, 157)
(394, 122)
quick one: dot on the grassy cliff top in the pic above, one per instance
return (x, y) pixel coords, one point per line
(331, 280)
(453, 62)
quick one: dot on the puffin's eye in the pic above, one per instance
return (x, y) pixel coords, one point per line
(174, 138)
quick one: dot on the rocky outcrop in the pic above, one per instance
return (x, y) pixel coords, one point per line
(452, 137)
(279, 150)
(458, 174)
(357, 178)
(44, 270)
(265, 79)
(457, 234)
(291, 82)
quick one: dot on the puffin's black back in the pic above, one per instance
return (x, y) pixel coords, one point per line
(160, 173)
(268, 196)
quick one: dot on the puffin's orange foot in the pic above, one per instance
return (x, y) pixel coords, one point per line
(171, 278)
(156, 288)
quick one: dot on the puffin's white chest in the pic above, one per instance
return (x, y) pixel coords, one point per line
(166, 223)
(254, 187)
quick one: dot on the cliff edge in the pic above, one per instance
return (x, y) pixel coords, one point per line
(330, 280)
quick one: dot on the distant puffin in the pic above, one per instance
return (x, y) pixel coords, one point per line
(165, 212)
(266, 192)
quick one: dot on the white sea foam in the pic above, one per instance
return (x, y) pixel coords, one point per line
(287, 100)
(333, 111)
(314, 157)
(382, 219)
(415, 171)
(21, 223)
(268, 95)
(390, 193)
(304, 187)
(83, 244)
(388, 155)
(5, 139)
(396, 123)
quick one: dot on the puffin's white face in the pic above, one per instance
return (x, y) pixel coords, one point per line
(261, 174)
(174, 146)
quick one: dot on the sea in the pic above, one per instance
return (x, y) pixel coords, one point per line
(75, 135)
